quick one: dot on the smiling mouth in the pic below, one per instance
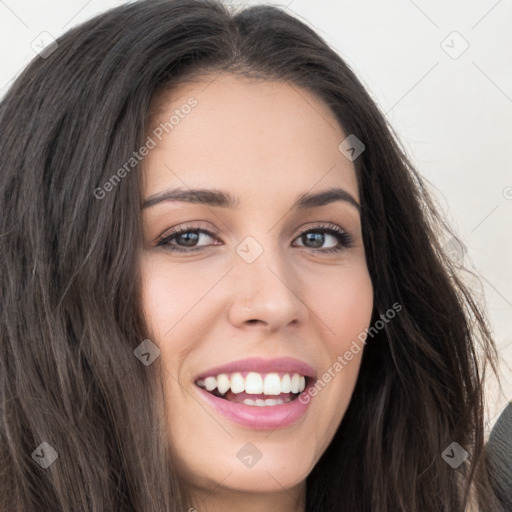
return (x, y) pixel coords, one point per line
(252, 388)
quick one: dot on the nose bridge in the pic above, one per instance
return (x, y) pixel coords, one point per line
(263, 288)
(260, 259)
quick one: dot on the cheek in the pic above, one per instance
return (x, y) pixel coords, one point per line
(344, 305)
(345, 308)
(170, 293)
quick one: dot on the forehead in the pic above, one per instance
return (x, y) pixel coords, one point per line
(245, 135)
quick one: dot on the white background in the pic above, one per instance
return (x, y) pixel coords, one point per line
(452, 112)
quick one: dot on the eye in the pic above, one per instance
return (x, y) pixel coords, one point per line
(185, 239)
(317, 236)
(187, 235)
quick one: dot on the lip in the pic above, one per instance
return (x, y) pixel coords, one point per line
(260, 365)
(254, 417)
(270, 417)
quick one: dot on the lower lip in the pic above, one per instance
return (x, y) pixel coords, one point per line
(268, 417)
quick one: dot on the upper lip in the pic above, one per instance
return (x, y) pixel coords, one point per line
(261, 365)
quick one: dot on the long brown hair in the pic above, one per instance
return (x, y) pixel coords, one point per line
(70, 292)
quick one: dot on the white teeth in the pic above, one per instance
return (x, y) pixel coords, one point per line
(270, 401)
(295, 383)
(237, 383)
(255, 383)
(223, 383)
(286, 384)
(272, 384)
(210, 383)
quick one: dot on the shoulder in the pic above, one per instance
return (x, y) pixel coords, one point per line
(499, 456)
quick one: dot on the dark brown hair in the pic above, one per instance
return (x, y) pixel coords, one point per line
(70, 291)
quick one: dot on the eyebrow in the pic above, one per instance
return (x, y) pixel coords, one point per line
(219, 198)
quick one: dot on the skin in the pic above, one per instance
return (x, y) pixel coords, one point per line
(266, 143)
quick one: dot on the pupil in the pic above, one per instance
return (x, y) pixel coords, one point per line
(188, 238)
(318, 236)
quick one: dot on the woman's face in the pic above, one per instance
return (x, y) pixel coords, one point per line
(257, 287)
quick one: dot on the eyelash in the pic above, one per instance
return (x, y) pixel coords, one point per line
(343, 237)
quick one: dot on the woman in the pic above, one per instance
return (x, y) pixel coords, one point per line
(170, 339)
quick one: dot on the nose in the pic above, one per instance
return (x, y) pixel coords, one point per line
(266, 293)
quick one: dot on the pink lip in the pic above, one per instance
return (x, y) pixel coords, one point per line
(270, 417)
(260, 365)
